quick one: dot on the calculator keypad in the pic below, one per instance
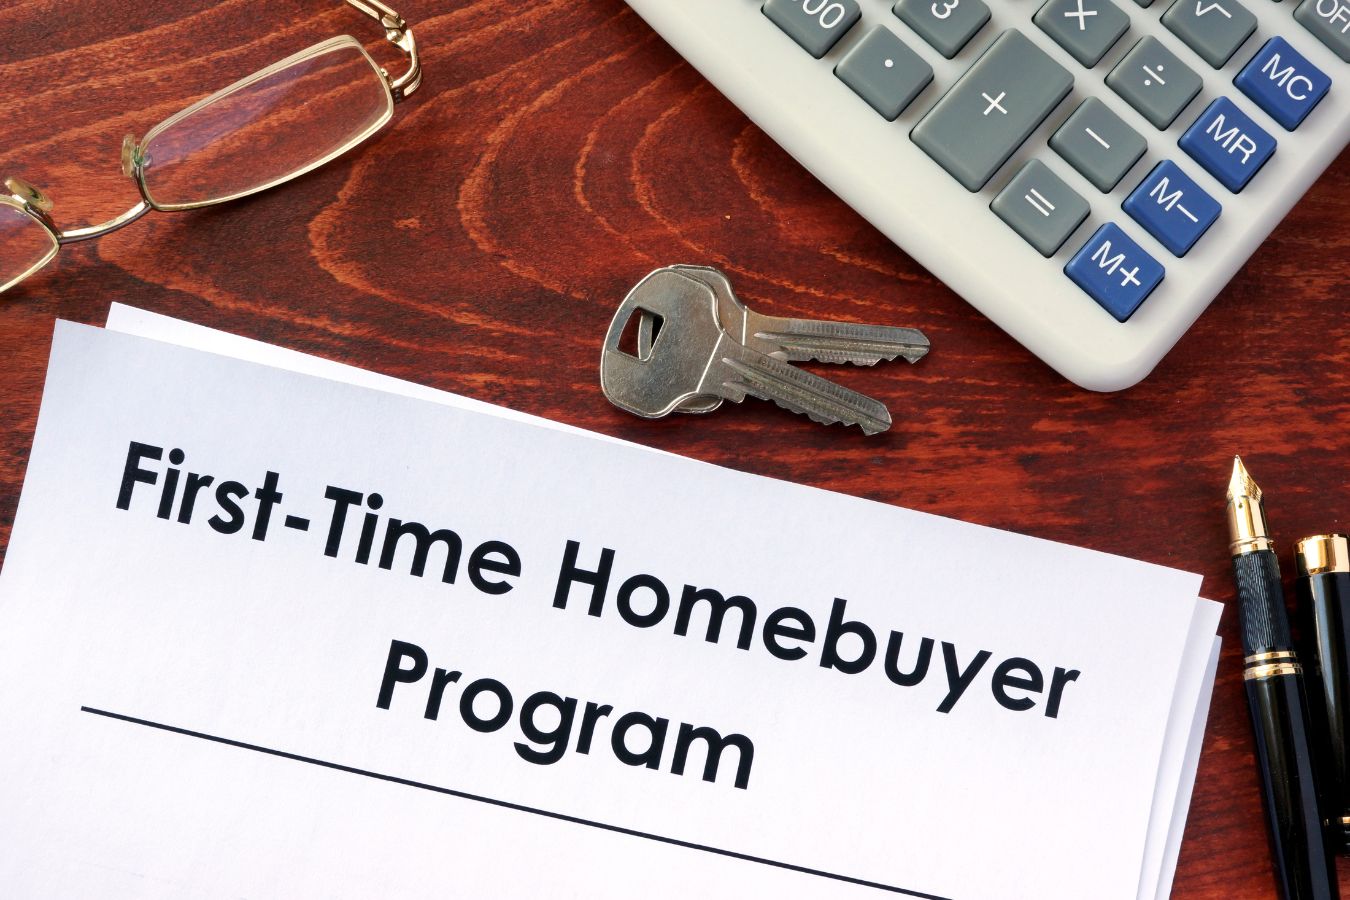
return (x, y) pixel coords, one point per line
(1013, 86)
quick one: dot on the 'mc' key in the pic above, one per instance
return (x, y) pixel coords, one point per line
(1283, 83)
(1228, 144)
(1115, 271)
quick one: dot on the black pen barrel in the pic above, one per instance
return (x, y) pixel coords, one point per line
(1303, 867)
(1277, 701)
(1323, 590)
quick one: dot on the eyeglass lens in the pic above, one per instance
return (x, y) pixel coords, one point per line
(283, 121)
(25, 245)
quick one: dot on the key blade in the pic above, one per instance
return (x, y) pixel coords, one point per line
(802, 340)
(801, 392)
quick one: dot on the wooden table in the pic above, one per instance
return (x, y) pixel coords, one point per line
(482, 241)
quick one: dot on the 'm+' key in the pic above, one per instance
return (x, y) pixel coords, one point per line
(1115, 271)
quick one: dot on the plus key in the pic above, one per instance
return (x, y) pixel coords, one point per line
(995, 106)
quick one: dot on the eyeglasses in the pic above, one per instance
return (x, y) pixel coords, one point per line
(275, 125)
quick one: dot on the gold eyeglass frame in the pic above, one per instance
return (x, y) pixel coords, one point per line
(32, 202)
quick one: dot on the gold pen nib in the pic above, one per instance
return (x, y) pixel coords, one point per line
(1241, 484)
(1246, 513)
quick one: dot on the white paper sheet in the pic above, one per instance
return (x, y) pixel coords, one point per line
(1180, 753)
(284, 650)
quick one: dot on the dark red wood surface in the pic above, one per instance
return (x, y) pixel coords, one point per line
(558, 151)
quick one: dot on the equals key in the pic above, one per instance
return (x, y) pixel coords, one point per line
(1040, 207)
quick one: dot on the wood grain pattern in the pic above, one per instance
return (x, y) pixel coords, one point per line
(558, 152)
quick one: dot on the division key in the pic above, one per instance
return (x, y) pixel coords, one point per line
(995, 106)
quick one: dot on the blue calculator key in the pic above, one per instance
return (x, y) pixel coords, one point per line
(1283, 83)
(1228, 144)
(1172, 208)
(1115, 271)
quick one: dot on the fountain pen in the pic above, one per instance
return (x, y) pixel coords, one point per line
(1278, 702)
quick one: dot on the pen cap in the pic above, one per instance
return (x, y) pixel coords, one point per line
(1323, 553)
(1323, 590)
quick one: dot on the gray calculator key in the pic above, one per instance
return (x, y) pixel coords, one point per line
(1154, 81)
(1212, 28)
(884, 72)
(1085, 28)
(1040, 207)
(1099, 144)
(995, 106)
(948, 25)
(816, 31)
(1329, 20)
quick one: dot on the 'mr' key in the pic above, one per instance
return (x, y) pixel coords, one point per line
(1228, 144)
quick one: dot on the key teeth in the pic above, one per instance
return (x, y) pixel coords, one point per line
(835, 357)
(864, 424)
(844, 344)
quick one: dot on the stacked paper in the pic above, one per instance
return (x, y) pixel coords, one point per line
(275, 627)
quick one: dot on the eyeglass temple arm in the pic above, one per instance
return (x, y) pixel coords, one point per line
(397, 32)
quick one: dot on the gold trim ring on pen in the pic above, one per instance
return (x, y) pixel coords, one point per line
(1271, 656)
(1270, 670)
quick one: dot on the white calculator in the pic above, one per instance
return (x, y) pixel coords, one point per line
(1089, 174)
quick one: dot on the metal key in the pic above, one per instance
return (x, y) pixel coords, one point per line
(694, 356)
(795, 340)
(804, 340)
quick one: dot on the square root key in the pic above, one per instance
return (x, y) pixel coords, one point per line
(1212, 28)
